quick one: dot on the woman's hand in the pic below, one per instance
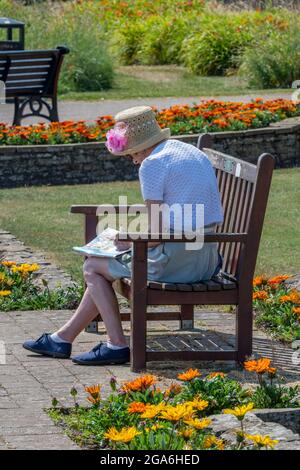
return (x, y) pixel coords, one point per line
(121, 245)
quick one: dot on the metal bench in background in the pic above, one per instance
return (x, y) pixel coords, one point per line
(31, 79)
(244, 190)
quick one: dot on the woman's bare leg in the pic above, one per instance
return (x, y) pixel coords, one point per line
(99, 297)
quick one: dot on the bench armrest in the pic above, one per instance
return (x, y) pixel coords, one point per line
(91, 209)
(208, 238)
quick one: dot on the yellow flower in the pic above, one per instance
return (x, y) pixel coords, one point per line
(197, 403)
(2, 277)
(198, 423)
(189, 375)
(213, 441)
(8, 264)
(262, 441)
(176, 413)
(4, 293)
(239, 411)
(125, 435)
(152, 410)
(155, 427)
(186, 433)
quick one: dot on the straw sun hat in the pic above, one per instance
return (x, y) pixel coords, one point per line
(136, 129)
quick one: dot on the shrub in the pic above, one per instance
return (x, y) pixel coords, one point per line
(163, 38)
(274, 62)
(84, 70)
(216, 46)
(126, 42)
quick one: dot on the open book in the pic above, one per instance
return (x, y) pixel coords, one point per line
(102, 245)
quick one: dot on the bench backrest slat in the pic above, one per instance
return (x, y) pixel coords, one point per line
(30, 72)
(237, 185)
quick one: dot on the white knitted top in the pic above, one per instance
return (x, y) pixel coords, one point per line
(176, 172)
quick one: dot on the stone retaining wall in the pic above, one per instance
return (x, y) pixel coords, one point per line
(91, 162)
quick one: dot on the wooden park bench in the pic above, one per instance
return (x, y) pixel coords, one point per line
(31, 79)
(244, 190)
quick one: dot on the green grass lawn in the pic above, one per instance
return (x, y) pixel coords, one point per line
(167, 80)
(40, 217)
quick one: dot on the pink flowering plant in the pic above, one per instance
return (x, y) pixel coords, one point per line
(116, 138)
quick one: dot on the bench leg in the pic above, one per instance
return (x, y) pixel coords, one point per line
(138, 338)
(244, 330)
(35, 106)
(186, 317)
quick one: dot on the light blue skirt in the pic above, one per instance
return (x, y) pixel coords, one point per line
(172, 262)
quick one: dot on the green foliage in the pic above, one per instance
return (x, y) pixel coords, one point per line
(220, 392)
(162, 40)
(18, 291)
(126, 40)
(215, 47)
(277, 317)
(279, 396)
(274, 63)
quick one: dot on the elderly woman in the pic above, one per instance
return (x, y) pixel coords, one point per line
(170, 172)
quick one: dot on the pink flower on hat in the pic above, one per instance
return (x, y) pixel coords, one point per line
(116, 138)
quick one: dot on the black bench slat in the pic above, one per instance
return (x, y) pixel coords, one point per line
(199, 287)
(168, 286)
(154, 285)
(184, 287)
(34, 80)
(212, 285)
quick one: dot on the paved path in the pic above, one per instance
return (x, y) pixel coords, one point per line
(28, 382)
(90, 110)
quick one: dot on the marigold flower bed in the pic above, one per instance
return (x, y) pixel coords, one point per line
(206, 116)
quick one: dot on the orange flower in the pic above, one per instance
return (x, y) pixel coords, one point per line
(284, 298)
(260, 366)
(174, 389)
(212, 375)
(259, 280)
(295, 296)
(296, 310)
(277, 279)
(260, 295)
(136, 407)
(94, 393)
(139, 384)
(189, 375)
